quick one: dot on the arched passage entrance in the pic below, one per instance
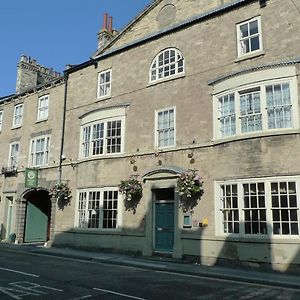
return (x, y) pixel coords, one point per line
(37, 216)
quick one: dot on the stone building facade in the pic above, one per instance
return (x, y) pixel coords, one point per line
(209, 88)
(30, 137)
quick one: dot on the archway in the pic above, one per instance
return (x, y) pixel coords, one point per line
(37, 216)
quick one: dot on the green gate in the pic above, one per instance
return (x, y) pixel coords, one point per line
(164, 226)
(36, 225)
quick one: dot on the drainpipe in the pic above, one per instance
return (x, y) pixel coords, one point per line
(66, 76)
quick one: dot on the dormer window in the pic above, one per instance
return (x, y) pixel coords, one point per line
(167, 64)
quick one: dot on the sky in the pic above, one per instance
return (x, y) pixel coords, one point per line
(55, 32)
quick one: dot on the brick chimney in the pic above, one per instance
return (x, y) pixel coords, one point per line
(30, 74)
(107, 32)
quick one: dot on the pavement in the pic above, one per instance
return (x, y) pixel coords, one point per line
(234, 273)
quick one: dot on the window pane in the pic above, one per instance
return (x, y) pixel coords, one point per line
(254, 43)
(285, 228)
(294, 215)
(284, 215)
(263, 228)
(276, 228)
(244, 30)
(276, 215)
(293, 201)
(253, 27)
(294, 229)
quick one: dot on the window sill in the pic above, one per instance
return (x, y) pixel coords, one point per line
(170, 78)
(250, 55)
(41, 120)
(259, 238)
(100, 231)
(101, 156)
(16, 127)
(255, 135)
(165, 148)
(39, 167)
(103, 98)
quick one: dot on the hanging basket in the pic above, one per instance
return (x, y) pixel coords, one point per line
(62, 193)
(190, 189)
(133, 191)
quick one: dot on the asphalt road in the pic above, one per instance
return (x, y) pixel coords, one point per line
(33, 276)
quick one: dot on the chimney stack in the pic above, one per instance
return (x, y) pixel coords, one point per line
(107, 32)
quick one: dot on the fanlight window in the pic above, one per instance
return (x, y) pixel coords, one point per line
(167, 63)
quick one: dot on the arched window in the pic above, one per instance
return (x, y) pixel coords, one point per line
(167, 63)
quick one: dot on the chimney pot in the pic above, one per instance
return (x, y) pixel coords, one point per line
(110, 22)
(105, 16)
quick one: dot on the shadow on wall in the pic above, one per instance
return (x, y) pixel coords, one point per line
(259, 250)
(145, 236)
(2, 232)
(294, 266)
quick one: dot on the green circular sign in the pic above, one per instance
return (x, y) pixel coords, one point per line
(31, 175)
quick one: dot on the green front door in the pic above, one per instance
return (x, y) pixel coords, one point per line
(36, 223)
(164, 226)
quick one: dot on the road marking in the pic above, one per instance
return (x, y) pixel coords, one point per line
(19, 272)
(119, 294)
(24, 288)
(16, 294)
(83, 297)
(34, 287)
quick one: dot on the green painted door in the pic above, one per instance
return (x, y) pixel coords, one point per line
(36, 224)
(164, 226)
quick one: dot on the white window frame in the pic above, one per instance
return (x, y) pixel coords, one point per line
(267, 206)
(36, 154)
(1, 119)
(158, 130)
(162, 68)
(83, 209)
(90, 121)
(104, 87)
(43, 108)
(261, 86)
(18, 115)
(87, 145)
(14, 150)
(241, 40)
